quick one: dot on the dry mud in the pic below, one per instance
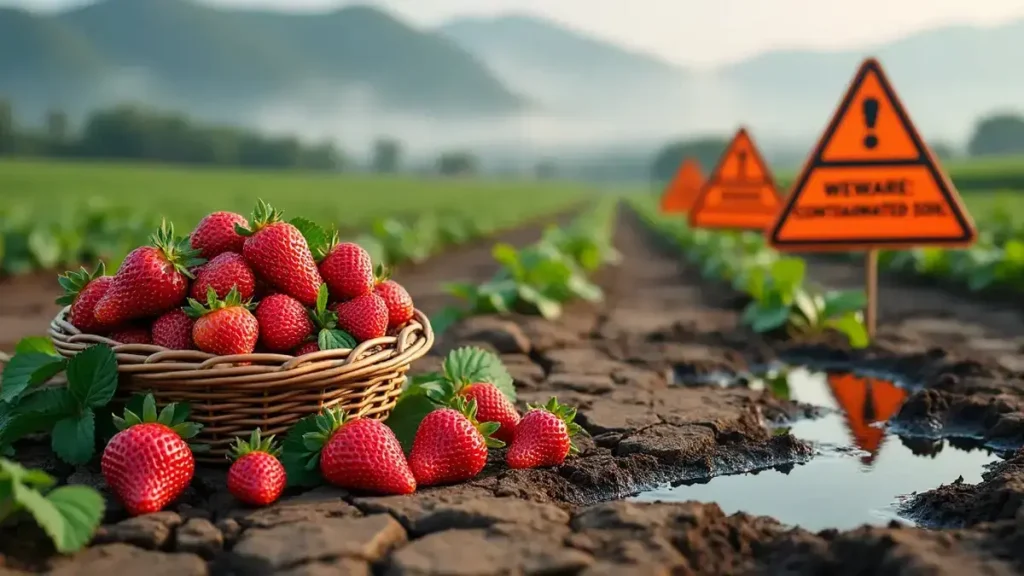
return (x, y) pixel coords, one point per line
(613, 362)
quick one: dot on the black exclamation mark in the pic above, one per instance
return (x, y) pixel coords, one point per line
(870, 119)
(743, 166)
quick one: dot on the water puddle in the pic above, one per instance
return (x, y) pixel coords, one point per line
(861, 471)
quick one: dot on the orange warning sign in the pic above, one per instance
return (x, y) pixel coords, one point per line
(682, 191)
(740, 194)
(871, 182)
(866, 401)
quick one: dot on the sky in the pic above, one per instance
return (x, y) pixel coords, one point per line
(693, 32)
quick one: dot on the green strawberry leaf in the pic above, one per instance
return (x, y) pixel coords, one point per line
(335, 340)
(28, 369)
(296, 457)
(74, 438)
(469, 365)
(69, 515)
(446, 318)
(92, 376)
(40, 344)
(36, 412)
(316, 237)
(405, 419)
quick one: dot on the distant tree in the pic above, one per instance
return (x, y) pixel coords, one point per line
(57, 126)
(943, 150)
(457, 164)
(7, 133)
(387, 156)
(705, 150)
(998, 134)
(546, 170)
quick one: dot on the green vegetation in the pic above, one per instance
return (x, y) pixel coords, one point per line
(61, 214)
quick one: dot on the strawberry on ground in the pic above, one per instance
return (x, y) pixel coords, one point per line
(148, 464)
(256, 476)
(347, 270)
(397, 300)
(544, 436)
(131, 334)
(150, 281)
(82, 291)
(226, 271)
(223, 327)
(493, 406)
(277, 251)
(451, 445)
(360, 454)
(215, 234)
(173, 330)
(364, 317)
(284, 322)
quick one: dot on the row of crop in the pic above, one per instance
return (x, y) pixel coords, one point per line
(541, 277)
(782, 299)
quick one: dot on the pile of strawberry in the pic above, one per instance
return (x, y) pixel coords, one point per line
(236, 285)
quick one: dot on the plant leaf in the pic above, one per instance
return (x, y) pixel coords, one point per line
(39, 344)
(69, 515)
(468, 365)
(28, 369)
(405, 419)
(316, 237)
(295, 455)
(335, 340)
(92, 376)
(74, 438)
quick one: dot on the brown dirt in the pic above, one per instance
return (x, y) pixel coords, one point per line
(612, 362)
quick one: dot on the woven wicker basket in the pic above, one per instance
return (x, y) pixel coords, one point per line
(272, 391)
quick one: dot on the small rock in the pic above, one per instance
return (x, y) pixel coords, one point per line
(501, 335)
(151, 531)
(125, 560)
(323, 502)
(199, 536)
(230, 529)
(342, 566)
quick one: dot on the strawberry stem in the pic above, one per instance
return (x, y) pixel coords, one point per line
(323, 318)
(327, 422)
(382, 273)
(178, 251)
(233, 299)
(262, 216)
(469, 409)
(73, 282)
(256, 443)
(173, 416)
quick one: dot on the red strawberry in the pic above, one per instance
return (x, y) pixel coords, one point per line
(544, 436)
(223, 327)
(306, 348)
(278, 252)
(284, 322)
(361, 454)
(82, 291)
(215, 234)
(148, 464)
(450, 445)
(398, 301)
(173, 330)
(225, 271)
(493, 406)
(256, 476)
(364, 317)
(131, 335)
(150, 281)
(347, 270)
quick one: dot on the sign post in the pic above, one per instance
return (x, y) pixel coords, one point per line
(740, 194)
(682, 191)
(871, 183)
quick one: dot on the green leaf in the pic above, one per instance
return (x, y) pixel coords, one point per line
(74, 438)
(846, 301)
(852, 325)
(92, 376)
(40, 344)
(295, 455)
(770, 318)
(405, 419)
(335, 340)
(69, 515)
(28, 369)
(38, 411)
(469, 365)
(316, 237)
(446, 318)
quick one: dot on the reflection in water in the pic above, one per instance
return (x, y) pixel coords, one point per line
(860, 471)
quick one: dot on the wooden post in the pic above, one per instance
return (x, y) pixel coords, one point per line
(871, 291)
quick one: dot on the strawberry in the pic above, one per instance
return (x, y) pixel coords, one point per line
(364, 317)
(226, 271)
(278, 252)
(450, 445)
(148, 464)
(306, 348)
(544, 436)
(215, 234)
(284, 322)
(347, 270)
(173, 330)
(150, 281)
(397, 300)
(223, 327)
(131, 335)
(493, 406)
(360, 454)
(82, 291)
(256, 476)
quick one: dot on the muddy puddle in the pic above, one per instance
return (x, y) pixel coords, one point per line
(861, 472)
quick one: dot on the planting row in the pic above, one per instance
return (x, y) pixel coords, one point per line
(782, 300)
(539, 278)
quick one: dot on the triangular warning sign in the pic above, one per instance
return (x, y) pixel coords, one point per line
(682, 191)
(865, 402)
(740, 194)
(871, 182)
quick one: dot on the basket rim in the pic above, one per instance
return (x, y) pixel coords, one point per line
(158, 364)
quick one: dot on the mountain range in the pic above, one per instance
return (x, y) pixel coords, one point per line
(358, 72)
